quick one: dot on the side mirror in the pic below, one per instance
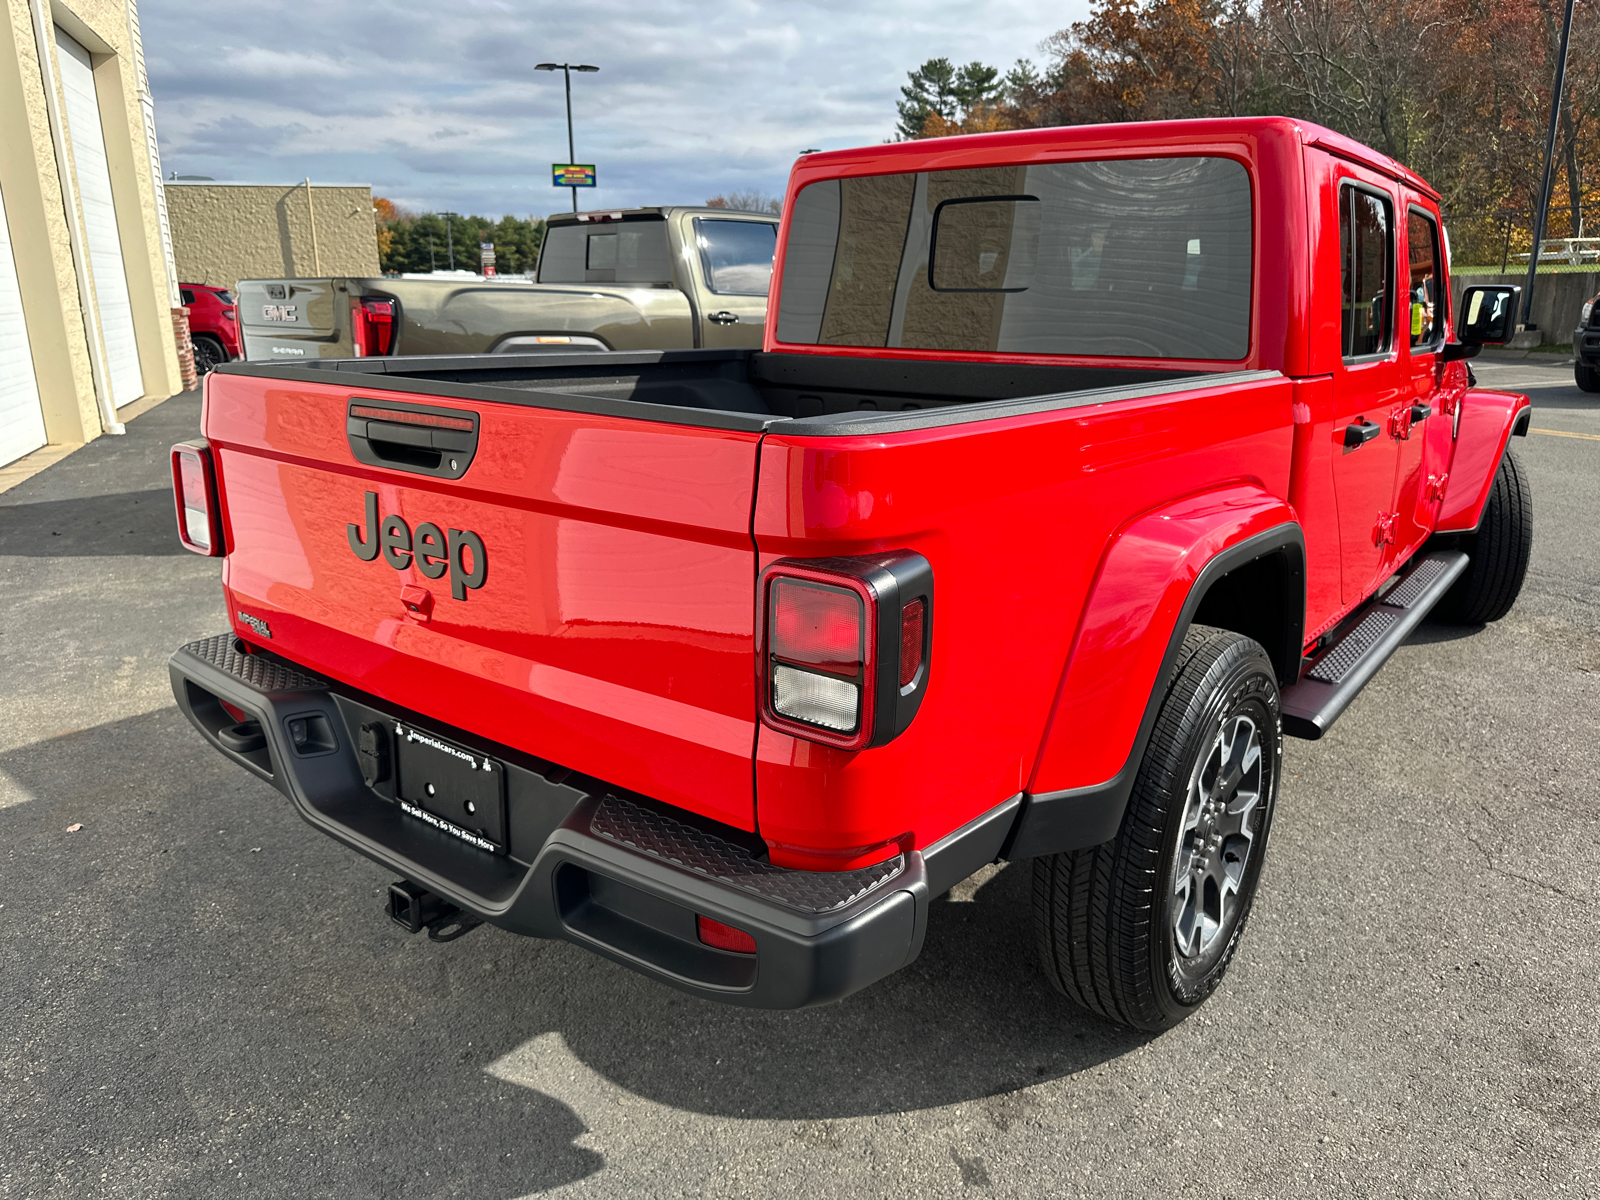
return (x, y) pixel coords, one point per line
(1488, 315)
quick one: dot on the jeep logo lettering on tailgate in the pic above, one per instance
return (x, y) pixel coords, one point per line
(432, 552)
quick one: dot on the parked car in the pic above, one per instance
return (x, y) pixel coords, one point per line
(1078, 465)
(213, 325)
(635, 279)
(1586, 346)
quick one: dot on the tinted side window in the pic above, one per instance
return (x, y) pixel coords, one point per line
(188, 296)
(1426, 267)
(633, 252)
(1367, 269)
(736, 255)
(1147, 258)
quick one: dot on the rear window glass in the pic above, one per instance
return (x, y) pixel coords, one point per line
(634, 252)
(736, 255)
(1147, 258)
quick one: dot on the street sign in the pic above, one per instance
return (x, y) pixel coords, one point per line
(572, 174)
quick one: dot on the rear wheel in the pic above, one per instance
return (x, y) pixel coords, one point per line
(208, 354)
(1588, 377)
(1142, 928)
(1500, 549)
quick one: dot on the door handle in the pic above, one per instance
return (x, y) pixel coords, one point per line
(1359, 434)
(1421, 412)
(723, 318)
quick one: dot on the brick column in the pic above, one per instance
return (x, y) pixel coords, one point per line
(180, 333)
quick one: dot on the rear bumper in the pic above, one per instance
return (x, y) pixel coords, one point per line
(616, 873)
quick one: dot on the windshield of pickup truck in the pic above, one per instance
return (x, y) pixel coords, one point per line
(633, 252)
(736, 255)
(1147, 258)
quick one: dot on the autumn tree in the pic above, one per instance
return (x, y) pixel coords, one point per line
(386, 214)
(1458, 90)
(754, 200)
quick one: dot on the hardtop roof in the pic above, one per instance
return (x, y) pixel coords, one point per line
(975, 149)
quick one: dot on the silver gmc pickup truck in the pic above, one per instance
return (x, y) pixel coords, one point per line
(629, 279)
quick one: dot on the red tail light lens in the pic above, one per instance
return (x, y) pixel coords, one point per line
(194, 490)
(371, 326)
(911, 622)
(724, 937)
(817, 625)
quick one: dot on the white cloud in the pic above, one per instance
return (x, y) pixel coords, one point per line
(442, 109)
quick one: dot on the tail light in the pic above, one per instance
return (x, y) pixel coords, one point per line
(846, 643)
(371, 326)
(195, 490)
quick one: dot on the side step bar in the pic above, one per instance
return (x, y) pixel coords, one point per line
(1311, 706)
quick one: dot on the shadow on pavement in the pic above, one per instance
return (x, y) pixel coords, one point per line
(1572, 400)
(186, 998)
(218, 1021)
(1430, 632)
(142, 523)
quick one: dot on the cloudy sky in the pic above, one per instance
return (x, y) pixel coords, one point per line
(438, 106)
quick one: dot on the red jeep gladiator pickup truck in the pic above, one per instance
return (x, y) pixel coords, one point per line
(1078, 466)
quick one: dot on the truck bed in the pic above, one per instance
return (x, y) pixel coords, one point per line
(814, 394)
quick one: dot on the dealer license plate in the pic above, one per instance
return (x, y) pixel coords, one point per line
(451, 787)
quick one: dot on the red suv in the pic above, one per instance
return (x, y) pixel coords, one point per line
(213, 328)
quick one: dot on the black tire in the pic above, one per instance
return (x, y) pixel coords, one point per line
(1110, 919)
(208, 354)
(1588, 377)
(1489, 586)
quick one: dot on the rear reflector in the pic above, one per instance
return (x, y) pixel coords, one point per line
(724, 937)
(911, 641)
(817, 625)
(193, 490)
(815, 699)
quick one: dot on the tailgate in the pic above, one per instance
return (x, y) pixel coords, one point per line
(608, 627)
(286, 320)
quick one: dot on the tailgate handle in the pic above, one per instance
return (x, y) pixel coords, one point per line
(412, 437)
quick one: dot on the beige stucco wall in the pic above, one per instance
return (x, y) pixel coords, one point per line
(225, 232)
(41, 224)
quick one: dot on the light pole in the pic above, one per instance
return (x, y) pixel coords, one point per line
(567, 69)
(1549, 166)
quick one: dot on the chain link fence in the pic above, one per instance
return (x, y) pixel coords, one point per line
(1499, 242)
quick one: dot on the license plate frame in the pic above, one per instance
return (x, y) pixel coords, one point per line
(451, 787)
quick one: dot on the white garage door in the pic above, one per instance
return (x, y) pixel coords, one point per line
(21, 421)
(100, 221)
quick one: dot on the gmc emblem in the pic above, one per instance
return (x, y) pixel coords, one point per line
(428, 547)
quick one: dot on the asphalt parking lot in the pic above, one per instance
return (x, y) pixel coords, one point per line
(201, 997)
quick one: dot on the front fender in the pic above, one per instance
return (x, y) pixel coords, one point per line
(1488, 420)
(1149, 584)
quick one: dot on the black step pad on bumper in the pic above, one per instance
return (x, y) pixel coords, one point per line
(617, 873)
(1311, 706)
(661, 836)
